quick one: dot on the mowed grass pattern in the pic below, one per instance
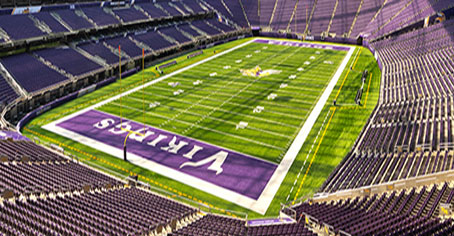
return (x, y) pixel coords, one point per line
(211, 110)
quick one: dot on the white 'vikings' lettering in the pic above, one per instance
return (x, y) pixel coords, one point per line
(194, 150)
(104, 123)
(125, 129)
(174, 148)
(157, 140)
(218, 159)
(140, 138)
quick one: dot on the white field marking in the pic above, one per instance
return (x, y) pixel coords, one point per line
(223, 110)
(276, 180)
(300, 69)
(173, 84)
(257, 51)
(191, 106)
(312, 58)
(198, 102)
(216, 108)
(245, 106)
(265, 47)
(317, 52)
(154, 104)
(258, 109)
(201, 127)
(220, 120)
(238, 61)
(283, 93)
(308, 154)
(198, 82)
(307, 63)
(213, 74)
(227, 67)
(241, 83)
(248, 56)
(292, 77)
(356, 55)
(260, 206)
(242, 125)
(283, 85)
(240, 91)
(272, 96)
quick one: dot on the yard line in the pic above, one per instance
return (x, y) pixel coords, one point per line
(201, 127)
(224, 110)
(199, 101)
(283, 93)
(242, 105)
(308, 154)
(240, 91)
(221, 120)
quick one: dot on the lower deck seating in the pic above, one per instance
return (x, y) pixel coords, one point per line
(122, 211)
(404, 212)
(214, 225)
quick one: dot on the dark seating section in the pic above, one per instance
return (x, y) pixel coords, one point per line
(130, 14)
(214, 225)
(50, 21)
(98, 49)
(124, 211)
(404, 212)
(152, 10)
(194, 6)
(30, 73)
(182, 7)
(205, 27)
(154, 40)
(99, 16)
(295, 229)
(175, 34)
(64, 19)
(46, 177)
(187, 29)
(16, 150)
(69, 60)
(225, 28)
(170, 9)
(7, 93)
(126, 45)
(19, 27)
(73, 20)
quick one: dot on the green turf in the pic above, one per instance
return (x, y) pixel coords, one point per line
(210, 111)
(294, 103)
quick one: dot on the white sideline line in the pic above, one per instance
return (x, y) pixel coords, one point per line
(260, 205)
(276, 180)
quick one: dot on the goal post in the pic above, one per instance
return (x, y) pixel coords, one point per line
(121, 105)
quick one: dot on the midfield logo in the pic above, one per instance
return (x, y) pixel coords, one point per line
(258, 72)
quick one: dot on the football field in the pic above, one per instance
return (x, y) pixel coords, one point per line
(237, 123)
(211, 101)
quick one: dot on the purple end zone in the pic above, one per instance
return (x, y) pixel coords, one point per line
(240, 173)
(301, 44)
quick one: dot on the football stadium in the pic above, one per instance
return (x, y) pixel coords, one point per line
(227, 117)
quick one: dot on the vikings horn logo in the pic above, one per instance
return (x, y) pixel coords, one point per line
(258, 72)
